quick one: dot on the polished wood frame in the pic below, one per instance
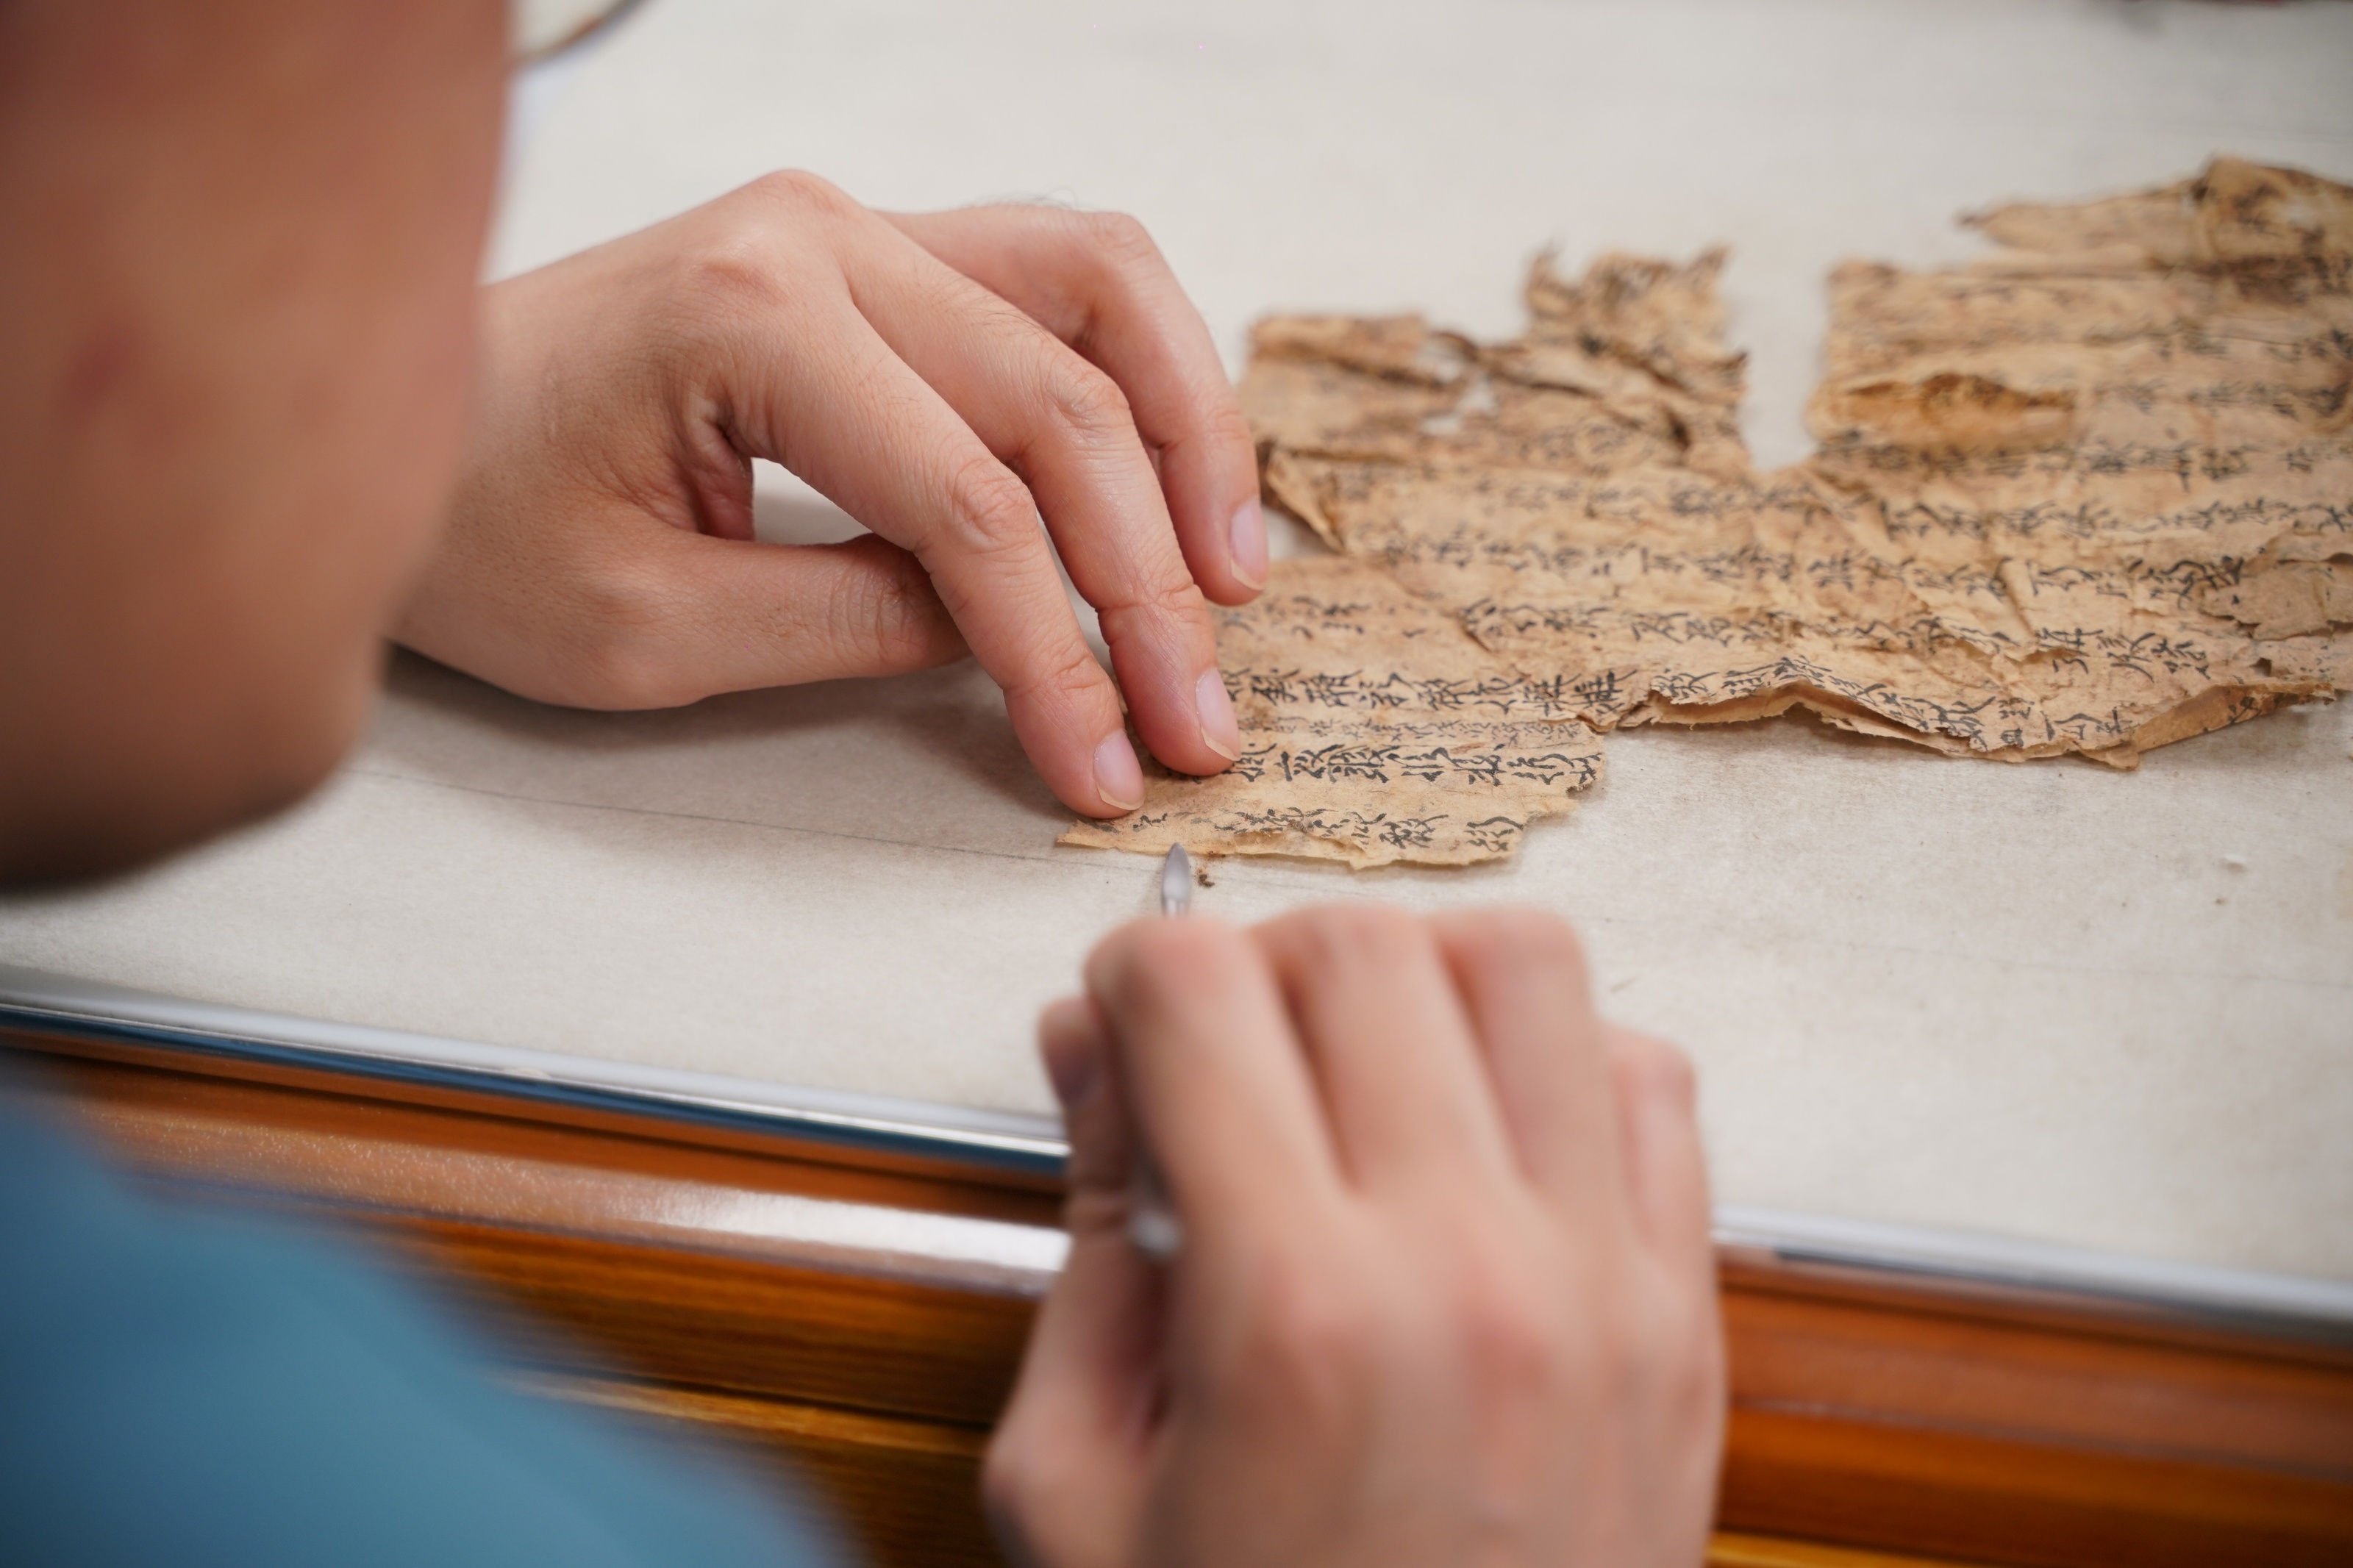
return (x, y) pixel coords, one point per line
(1893, 1417)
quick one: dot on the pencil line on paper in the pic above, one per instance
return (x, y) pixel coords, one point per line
(697, 817)
(1284, 875)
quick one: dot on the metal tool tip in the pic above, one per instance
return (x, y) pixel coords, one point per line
(1175, 881)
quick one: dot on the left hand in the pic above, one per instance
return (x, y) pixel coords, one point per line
(945, 379)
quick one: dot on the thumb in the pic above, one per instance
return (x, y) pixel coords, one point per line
(1066, 1472)
(777, 615)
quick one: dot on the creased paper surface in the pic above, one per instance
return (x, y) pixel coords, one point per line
(2091, 494)
(1373, 729)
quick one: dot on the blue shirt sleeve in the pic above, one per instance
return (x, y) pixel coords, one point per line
(208, 1390)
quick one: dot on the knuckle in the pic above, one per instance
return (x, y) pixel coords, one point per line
(1067, 674)
(1306, 1348)
(1120, 239)
(1087, 401)
(1524, 939)
(1678, 1080)
(1659, 1071)
(731, 273)
(802, 190)
(1536, 936)
(1510, 1341)
(1224, 424)
(1169, 596)
(748, 248)
(990, 512)
(860, 623)
(1351, 933)
(878, 621)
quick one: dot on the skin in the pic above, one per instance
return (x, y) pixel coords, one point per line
(1446, 1295)
(236, 284)
(947, 379)
(1447, 1292)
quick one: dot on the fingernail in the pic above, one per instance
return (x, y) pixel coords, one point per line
(1119, 777)
(1247, 535)
(1219, 730)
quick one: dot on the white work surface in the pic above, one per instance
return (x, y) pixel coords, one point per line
(2046, 1002)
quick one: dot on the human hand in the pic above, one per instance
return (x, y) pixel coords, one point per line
(945, 379)
(1447, 1292)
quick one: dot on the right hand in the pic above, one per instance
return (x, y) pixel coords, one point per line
(1447, 1292)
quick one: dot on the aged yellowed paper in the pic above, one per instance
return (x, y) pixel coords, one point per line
(2091, 494)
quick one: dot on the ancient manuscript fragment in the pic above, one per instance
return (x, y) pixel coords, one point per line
(2091, 494)
(1373, 729)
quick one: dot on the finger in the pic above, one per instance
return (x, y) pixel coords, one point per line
(1098, 283)
(666, 616)
(1066, 428)
(1067, 1468)
(1521, 974)
(1077, 1055)
(1216, 1081)
(821, 392)
(1393, 1051)
(1666, 1168)
(1065, 1472)
(738, 615)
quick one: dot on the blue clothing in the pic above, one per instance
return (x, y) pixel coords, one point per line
(205, 1389)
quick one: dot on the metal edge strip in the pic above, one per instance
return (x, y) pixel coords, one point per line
(2046, 1273)
(996, 1141)
(1033, 1146)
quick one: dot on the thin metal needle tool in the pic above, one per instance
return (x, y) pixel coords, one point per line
(1151, 1223)
(1176, 882)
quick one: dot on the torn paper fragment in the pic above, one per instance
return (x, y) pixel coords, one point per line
(1373, 730)
(2091, 494)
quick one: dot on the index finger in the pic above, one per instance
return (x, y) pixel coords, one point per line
(1066, 430)
(1097, 282)
(1215, 1079)
(853, 419)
